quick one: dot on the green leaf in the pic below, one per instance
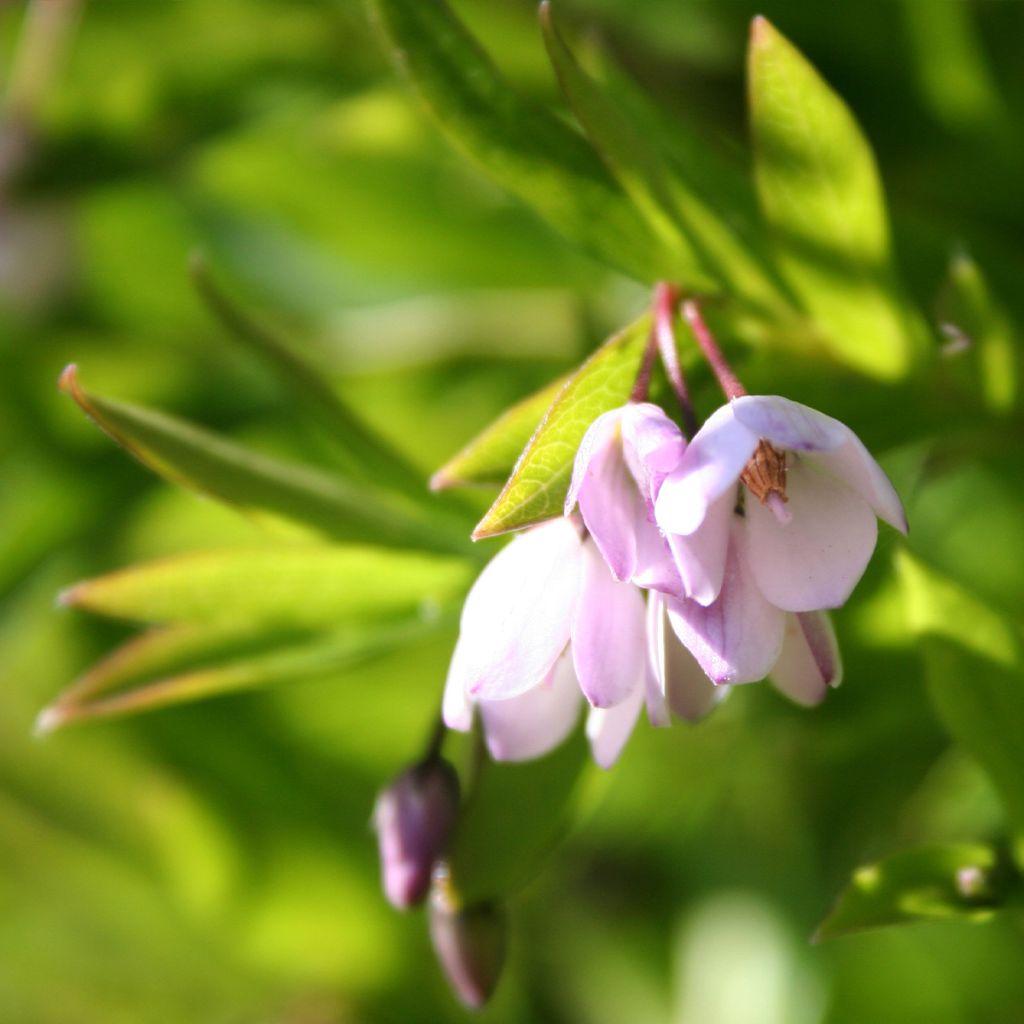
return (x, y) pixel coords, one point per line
(491, 456)
(973, 663)
(515, 814)
(538, 485)
(636, 164)
(300, 586)
(972, 316)
(822, 197)
(962, 880)
(525, 148)
(201, 461)
(364, 453)
(218, 662)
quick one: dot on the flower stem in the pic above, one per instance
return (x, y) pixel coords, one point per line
(665, 298)
(643, 377)
(728, 380)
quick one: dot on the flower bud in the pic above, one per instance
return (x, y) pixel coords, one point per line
(413, 818)
(470, 946)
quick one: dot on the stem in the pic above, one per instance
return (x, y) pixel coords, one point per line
(665, 298)
(432, 751)
(643, 377)
(728, 380)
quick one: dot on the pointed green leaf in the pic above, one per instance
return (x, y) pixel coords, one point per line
(199, 460)
(364, 453)
(294, 586)
(975, 676)
(962, 880)
(971, 316)
(822, 197)
(629, 156)
(525, 148)
(114, 688)
(538, 485)
(515, 814)
(490, 457)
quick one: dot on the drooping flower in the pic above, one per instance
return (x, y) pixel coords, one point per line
(777, 495)
(544, 623)
(625, 455)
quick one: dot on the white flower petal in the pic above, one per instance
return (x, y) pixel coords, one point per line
(536, 721)
(652, 446)
(788, 424)
(609, 728)
(654, 683)
(700, 557)
(853, 464)
(603, 434)
(518, 614)
(712, 463)
(680, 681)
(816, 558)
(809, 663)
(737, 639)
(607, 634)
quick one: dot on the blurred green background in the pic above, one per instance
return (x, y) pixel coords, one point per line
(214, 863)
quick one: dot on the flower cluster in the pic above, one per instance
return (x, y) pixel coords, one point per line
(689, 567)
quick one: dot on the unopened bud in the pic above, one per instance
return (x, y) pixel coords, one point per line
(470, 946)
(413, 818)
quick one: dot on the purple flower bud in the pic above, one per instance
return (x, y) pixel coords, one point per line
(470, 946)
(413, 818)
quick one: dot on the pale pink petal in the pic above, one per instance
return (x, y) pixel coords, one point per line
(611, 506)
(853, 464)
(652, 446)
(655, 565)
(737, 639)
(654, 684)
(456, 708)
(602, 436)
(711, 465)
(535, 722)
(809, 663)
(815, 558)
(700, 557)
(788, 424)
(607, 634)
(679, 680)
(517, 616)
(609, 728)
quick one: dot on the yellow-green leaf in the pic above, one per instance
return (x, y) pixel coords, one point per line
(538, 485)
(822, 196)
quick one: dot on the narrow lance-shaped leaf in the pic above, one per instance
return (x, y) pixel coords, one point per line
(822, 197)
(973, 320)
(202, 461)
(525, 148)
(514, 816)
(629, 156)
(114, 689)
(294, 586)
(964, 880)
(538, 485)
(364, 453)
(491, 455)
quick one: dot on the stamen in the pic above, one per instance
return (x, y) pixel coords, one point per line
(765, 477)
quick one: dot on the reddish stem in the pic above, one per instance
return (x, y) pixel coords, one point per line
(728, 380)
(643, 377)
(665, 298)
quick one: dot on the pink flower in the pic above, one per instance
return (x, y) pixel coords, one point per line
(619, 468)
(544, 622)
(801, 529)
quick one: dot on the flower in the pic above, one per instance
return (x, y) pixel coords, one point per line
(413, 818)
(620, 465)
(802, 528)
(544, 622)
